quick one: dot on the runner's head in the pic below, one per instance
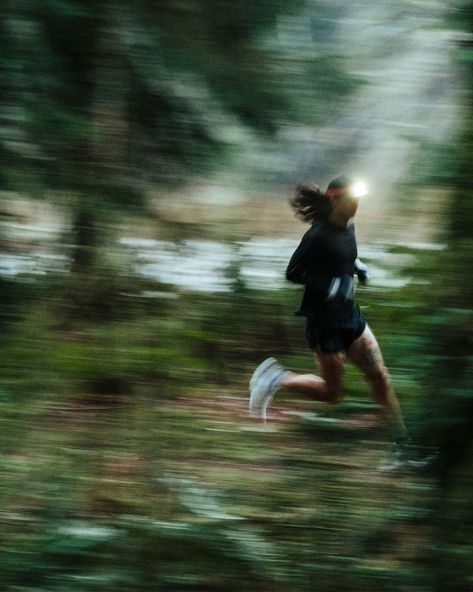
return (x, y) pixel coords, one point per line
(343, 197)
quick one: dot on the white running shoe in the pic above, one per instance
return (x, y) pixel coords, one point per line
(264, 384)
(260, 369)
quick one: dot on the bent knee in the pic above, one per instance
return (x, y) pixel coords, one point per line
(378, 374)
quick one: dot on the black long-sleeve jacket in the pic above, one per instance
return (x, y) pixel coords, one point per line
(325, 262)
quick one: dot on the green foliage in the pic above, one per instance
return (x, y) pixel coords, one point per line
(78, 71)
(150, 89)
(104, 98)
(128, 462)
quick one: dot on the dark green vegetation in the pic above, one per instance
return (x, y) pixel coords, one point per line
(128, 461)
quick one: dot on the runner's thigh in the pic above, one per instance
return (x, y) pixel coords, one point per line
(365, 353)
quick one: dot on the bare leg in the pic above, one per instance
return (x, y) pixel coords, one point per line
(366, 355)
(322, 389)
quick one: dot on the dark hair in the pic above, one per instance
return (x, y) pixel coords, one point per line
(310, 203)
(339, 185)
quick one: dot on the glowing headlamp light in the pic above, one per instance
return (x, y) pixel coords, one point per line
(355, 189)
(358, 189)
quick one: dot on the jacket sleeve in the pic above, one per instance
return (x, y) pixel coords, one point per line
(362, 271)
(297, 269)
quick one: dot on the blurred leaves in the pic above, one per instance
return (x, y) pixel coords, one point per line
(146, 87)
(128, 460)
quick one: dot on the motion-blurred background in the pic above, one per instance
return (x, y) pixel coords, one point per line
(148, 151)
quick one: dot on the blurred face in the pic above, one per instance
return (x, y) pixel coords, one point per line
(345, 206)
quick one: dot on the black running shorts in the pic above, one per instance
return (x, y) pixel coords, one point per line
(336, 338)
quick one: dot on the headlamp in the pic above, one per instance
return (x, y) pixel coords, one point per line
(358, 189)
(341, 187)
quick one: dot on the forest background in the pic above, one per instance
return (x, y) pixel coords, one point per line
(148, 151)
